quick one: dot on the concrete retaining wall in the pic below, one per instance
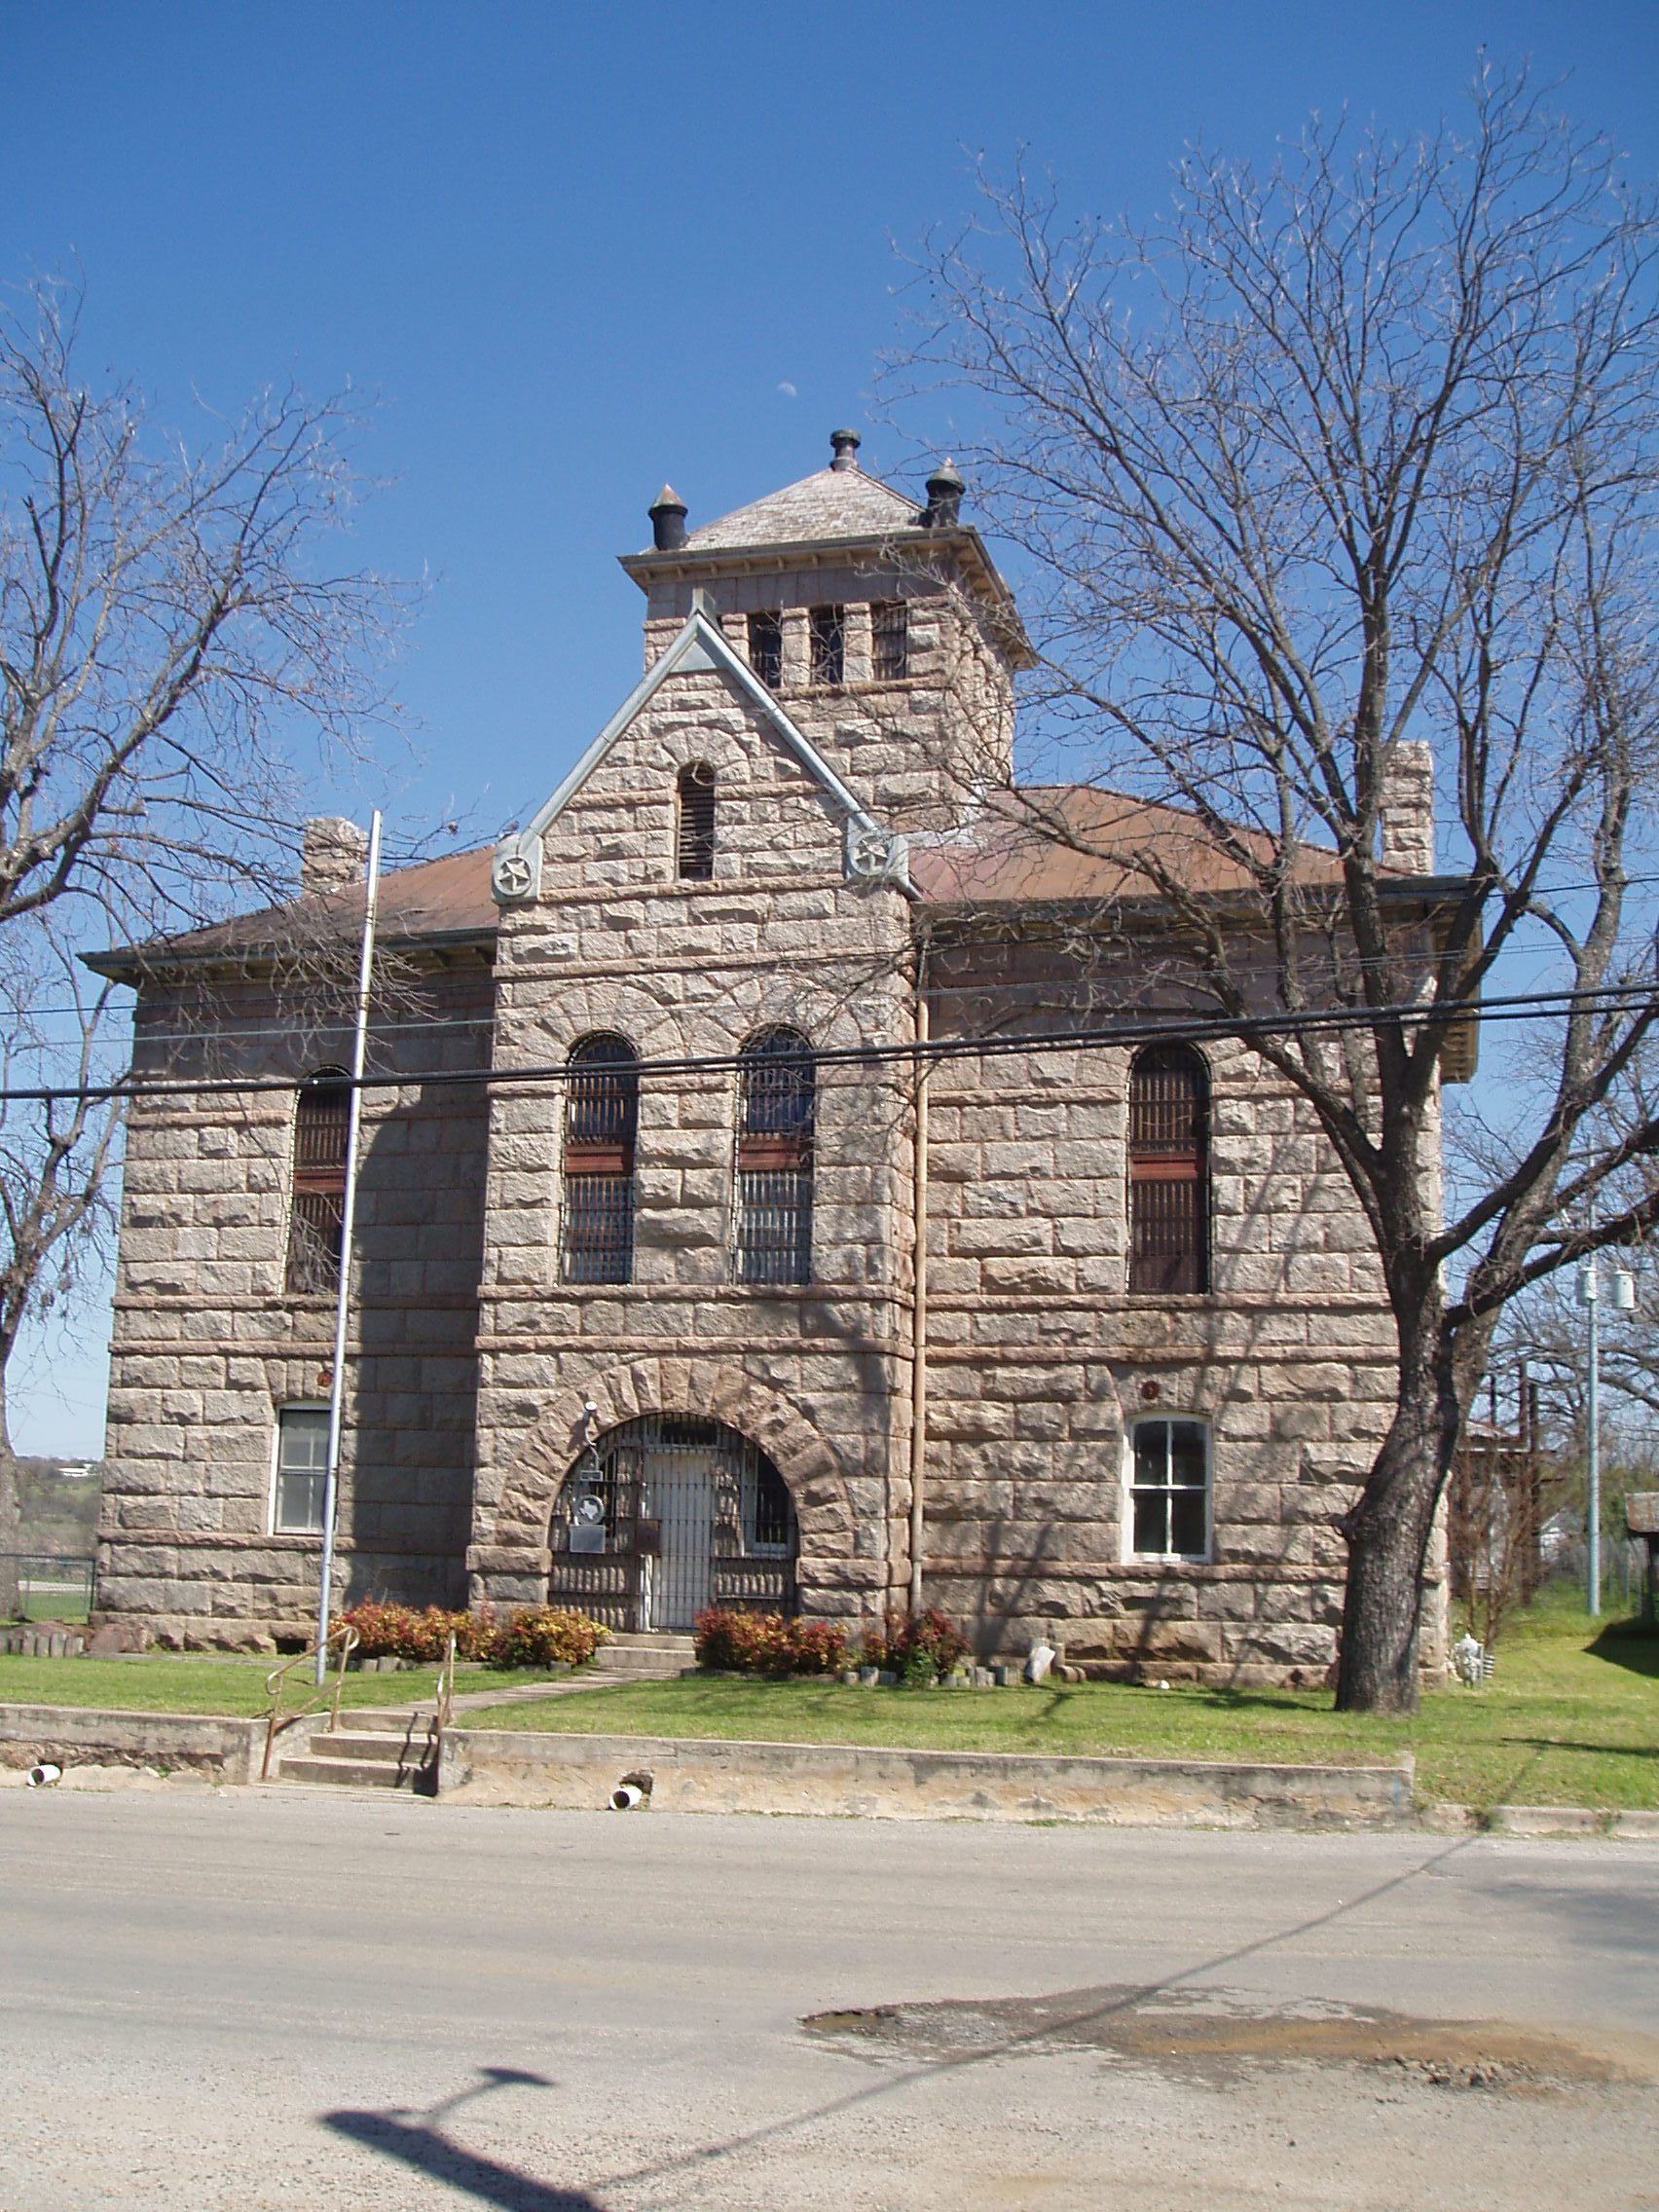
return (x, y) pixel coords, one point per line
(214, 1744)
(505, 1768)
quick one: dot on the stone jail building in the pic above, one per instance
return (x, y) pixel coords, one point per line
(701, 1297)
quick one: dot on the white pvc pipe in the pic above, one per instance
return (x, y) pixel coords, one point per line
(43, 1777)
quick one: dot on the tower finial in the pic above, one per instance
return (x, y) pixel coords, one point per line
(668, 513)
(944, 498)
(845, 444)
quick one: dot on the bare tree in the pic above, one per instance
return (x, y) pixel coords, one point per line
(1335, 471)
(165, 628)
(175, 656)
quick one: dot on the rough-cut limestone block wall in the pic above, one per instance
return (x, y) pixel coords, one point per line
(913, 752)
(617, 941)
(1040, 1359)
(207, 1344)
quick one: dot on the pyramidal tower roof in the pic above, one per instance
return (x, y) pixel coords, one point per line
(837, 501)
(840, 506)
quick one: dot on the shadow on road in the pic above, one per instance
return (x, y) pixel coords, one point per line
(418, 2140)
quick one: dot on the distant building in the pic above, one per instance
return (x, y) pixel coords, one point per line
(643, 1333)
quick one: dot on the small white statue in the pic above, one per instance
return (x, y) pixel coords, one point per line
(1469, 1659)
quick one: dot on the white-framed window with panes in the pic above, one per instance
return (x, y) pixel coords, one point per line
(1168, 1482)
(299, 1473)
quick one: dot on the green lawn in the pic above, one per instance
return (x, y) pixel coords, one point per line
(169, 1682)
(1570, 1719)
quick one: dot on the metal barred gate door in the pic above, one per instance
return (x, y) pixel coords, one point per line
(681, 1497)
(667, 1515)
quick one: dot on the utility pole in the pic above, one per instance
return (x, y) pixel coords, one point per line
(348, 1224)
(1624, 1301)
(1590, 1298)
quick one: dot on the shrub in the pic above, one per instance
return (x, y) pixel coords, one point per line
(388, 1631)
(546, 1635)
(919, 1651)
(535, 1635)
(768, 1643)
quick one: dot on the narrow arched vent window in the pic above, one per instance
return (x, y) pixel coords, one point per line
(600, 1115)
(826, 637)
(695, 823)
(776, 1110)
(1168, 1172)
(766, 647)
(317, 1216)
(890, 641)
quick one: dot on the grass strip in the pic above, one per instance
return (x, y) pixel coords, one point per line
(188, 1683)
(1570, 1719)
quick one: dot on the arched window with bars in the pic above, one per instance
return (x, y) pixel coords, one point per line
(694, 821)
(602, 1104)
(1168, 1172)
(777, 1104)
(316, 1214)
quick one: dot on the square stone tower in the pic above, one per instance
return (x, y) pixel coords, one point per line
(694, 1319)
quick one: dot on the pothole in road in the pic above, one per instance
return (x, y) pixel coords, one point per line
(1209, 2032)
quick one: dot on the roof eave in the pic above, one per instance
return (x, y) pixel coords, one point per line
(689, 562)
(135, 964)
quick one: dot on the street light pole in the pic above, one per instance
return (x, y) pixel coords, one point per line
(347, 1225)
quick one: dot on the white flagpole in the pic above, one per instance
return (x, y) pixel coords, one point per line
(348, 1221)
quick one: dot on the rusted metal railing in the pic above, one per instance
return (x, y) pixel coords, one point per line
(443, 1709)
(343, 1640)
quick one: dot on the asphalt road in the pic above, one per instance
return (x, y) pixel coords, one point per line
(244, 2000)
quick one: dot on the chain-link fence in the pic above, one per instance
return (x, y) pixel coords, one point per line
(46, 1586)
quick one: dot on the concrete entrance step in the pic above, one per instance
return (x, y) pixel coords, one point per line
(377, 1757)
(649, 1654)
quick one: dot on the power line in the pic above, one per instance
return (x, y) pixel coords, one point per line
(1149, 1029)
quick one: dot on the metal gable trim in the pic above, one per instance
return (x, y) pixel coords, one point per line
(872, 853)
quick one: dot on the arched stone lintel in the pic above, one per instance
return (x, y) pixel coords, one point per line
(699, 1389)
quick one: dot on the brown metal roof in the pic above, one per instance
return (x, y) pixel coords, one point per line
(1060, 843)
(434, 900)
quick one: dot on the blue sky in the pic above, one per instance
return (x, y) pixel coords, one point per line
(573, 252)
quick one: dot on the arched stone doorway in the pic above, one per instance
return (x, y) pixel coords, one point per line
(665, 1515)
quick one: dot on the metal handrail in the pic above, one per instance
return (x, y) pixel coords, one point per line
(343, 1635)
(442, 1706)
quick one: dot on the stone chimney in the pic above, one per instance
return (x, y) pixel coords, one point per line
(668, 511)
(1407, 807)
(332, 856)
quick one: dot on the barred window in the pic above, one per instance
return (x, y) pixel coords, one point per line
(1168, 1172)
(776, 1110)
(302, 1470)
(602, 1097)
(695, 827)
(317, 1215)
(828, 629)
(1169, 1489)
(890, 641)
(768, 1516)
(766, 647)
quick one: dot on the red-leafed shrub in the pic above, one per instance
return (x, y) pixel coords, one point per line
(918, 1651)
(546, 1635)
(386, 1630)
(768, 1643)
(535, 1635)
